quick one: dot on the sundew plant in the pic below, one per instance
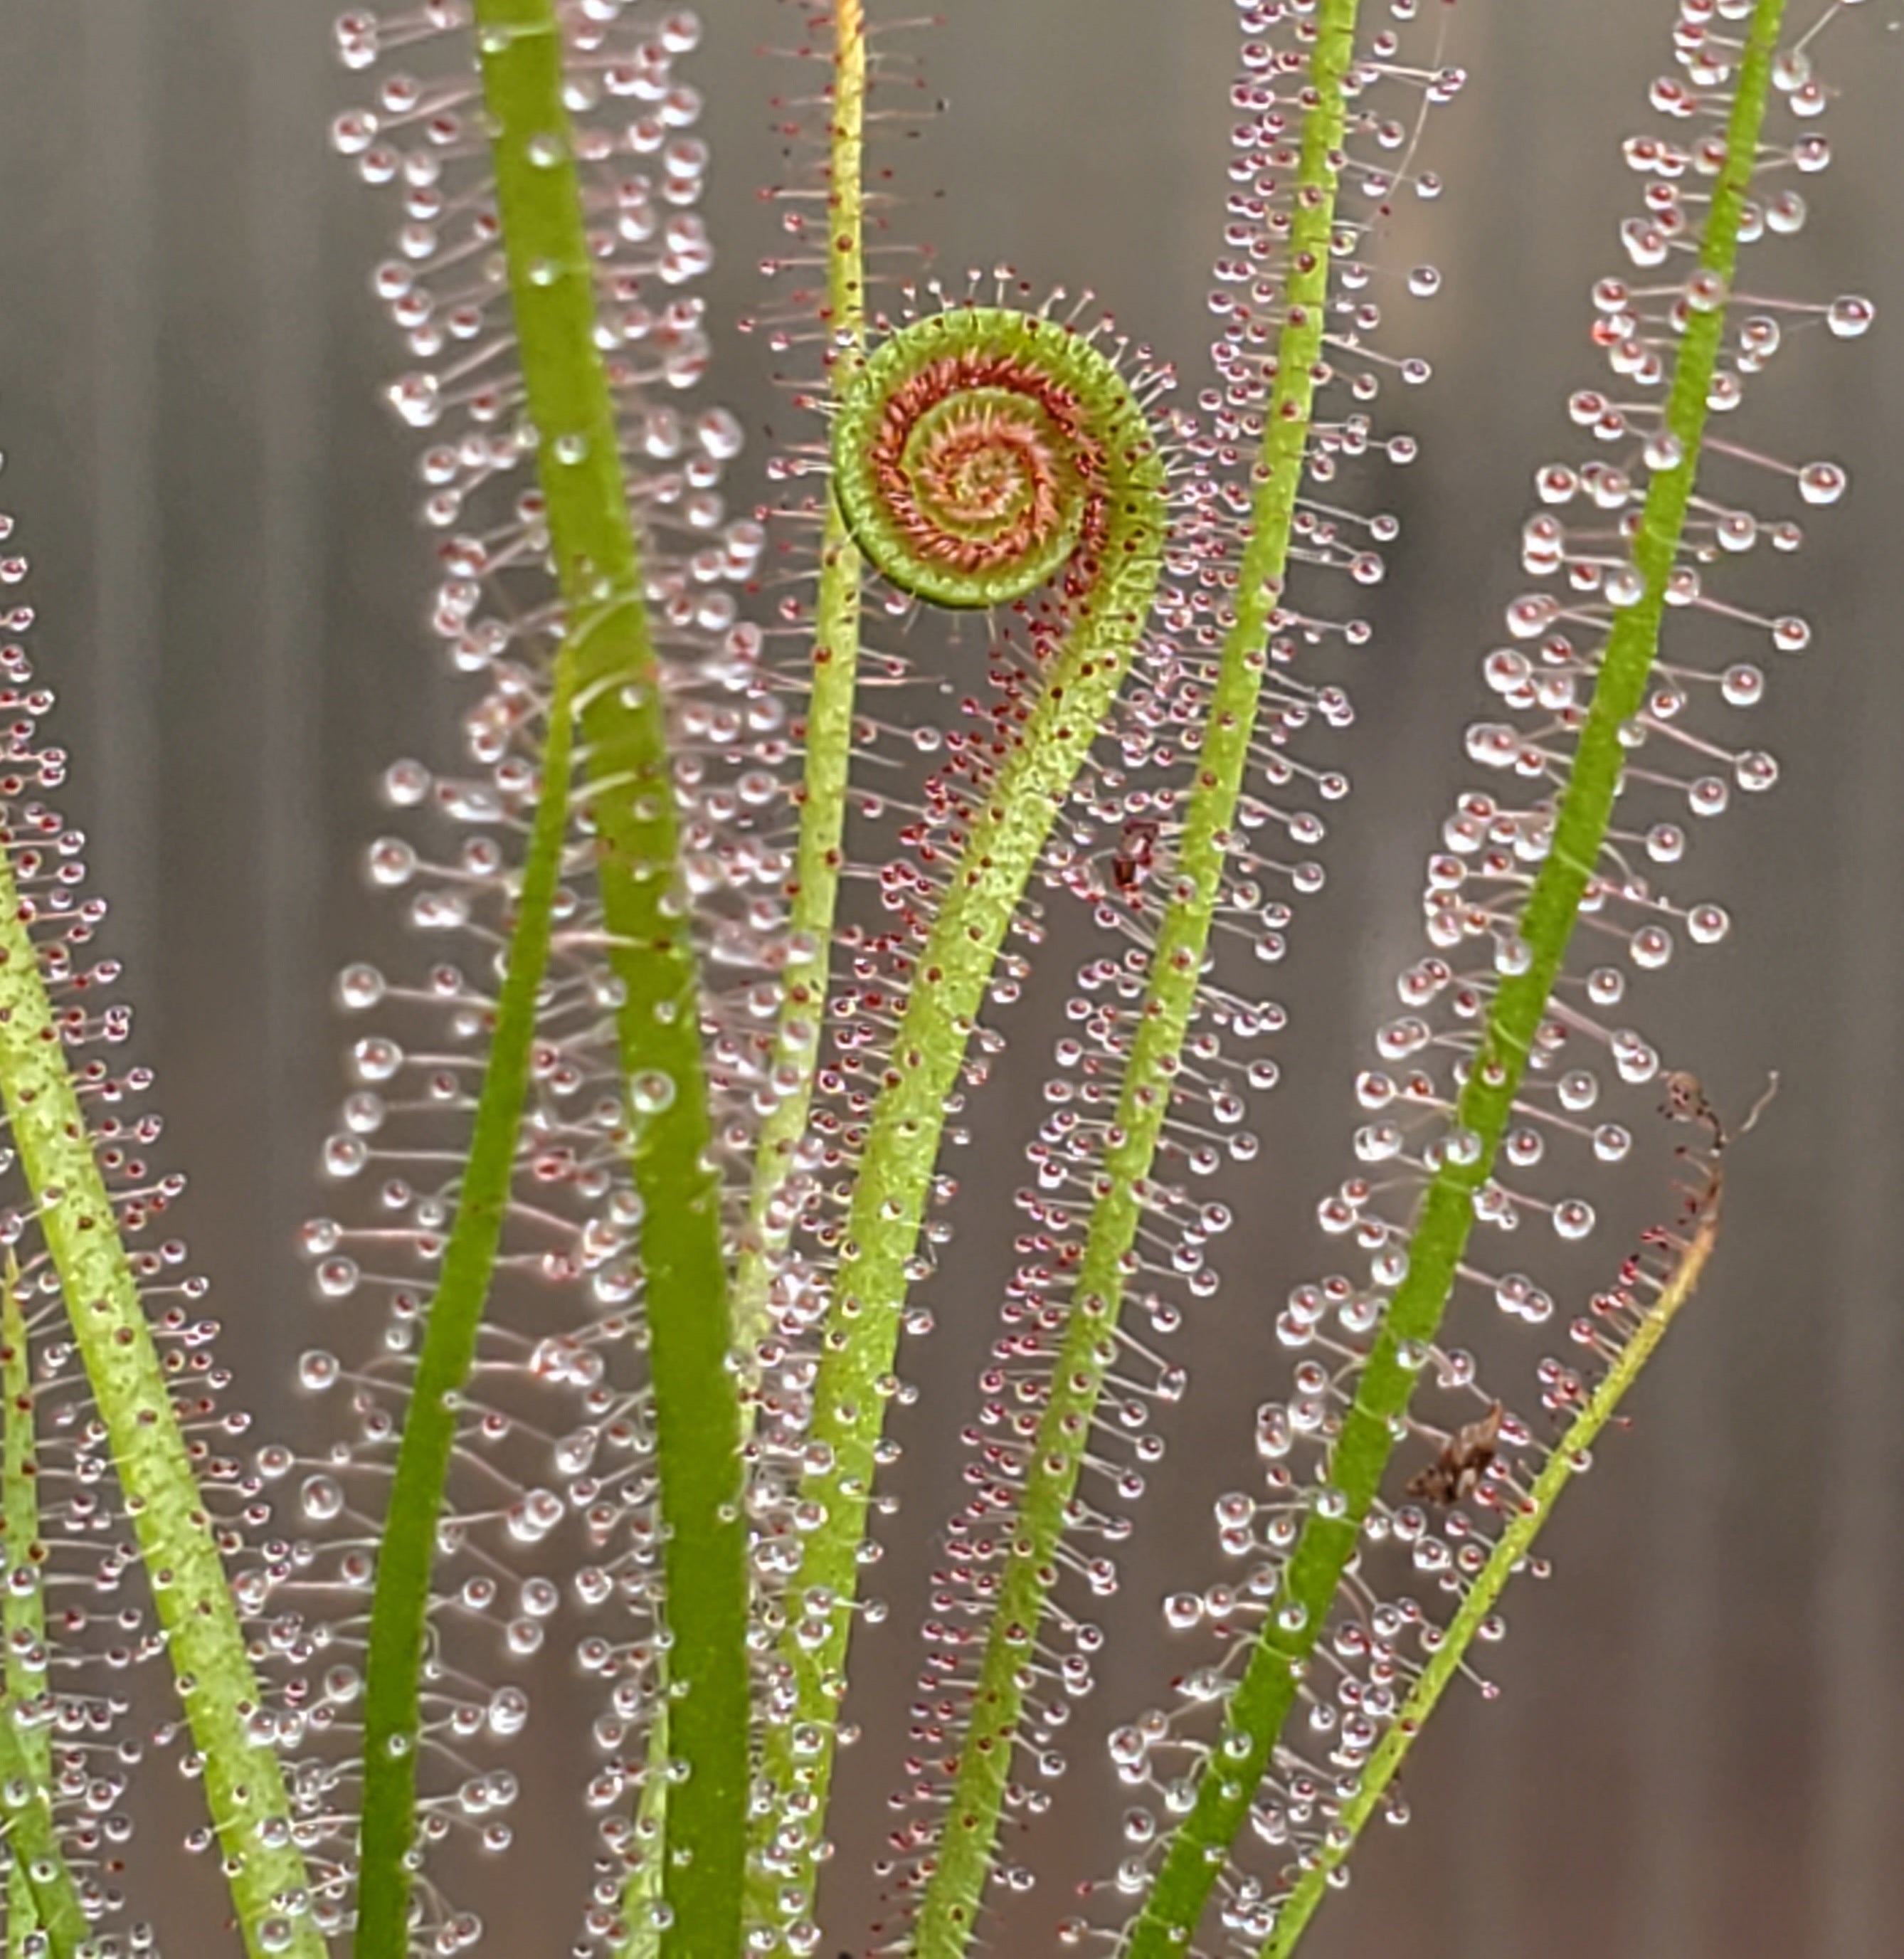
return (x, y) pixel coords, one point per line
(636, 1216)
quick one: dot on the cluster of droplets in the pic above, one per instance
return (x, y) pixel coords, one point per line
(905, 837)
(1423, 1551)
(905, 858)
(1588, 1068)
(77, 1634)
(1388, 97)
(551, 1505)
(1115, 852)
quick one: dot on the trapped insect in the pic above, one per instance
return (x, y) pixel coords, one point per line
(1466, 1457)
(1136, 856)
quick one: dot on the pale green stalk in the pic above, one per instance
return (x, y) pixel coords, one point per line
(38, 1879)
(819, 849)
(968, 1837)
(244, 1783)
(817, 856)
(1255, 1712)
(1527, 1519)
(624, 732)
(23, 1604)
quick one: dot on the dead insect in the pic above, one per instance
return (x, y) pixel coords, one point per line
(1686, 1103)
(1136, 856)
(1464, 1459)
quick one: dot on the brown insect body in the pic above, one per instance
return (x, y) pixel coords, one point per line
(1135, 857)
(1465, 1459)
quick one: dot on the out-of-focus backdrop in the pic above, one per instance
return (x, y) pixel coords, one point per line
(1698, 1749)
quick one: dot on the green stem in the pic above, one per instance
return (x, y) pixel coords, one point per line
(829, 739)
(641, 1935)
(400, 1606)
(38, 1878)
(949, 1912)
(22, 1604)
(650, 949)
(927, 1052)
(829, 712)
(1509, 1554)
(1255, 1713)
(244, 1783)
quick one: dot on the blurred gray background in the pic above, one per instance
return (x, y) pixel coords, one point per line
(1700, 1748)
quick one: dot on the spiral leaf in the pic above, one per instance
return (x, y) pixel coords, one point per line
(910, 448)
(974, 454)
